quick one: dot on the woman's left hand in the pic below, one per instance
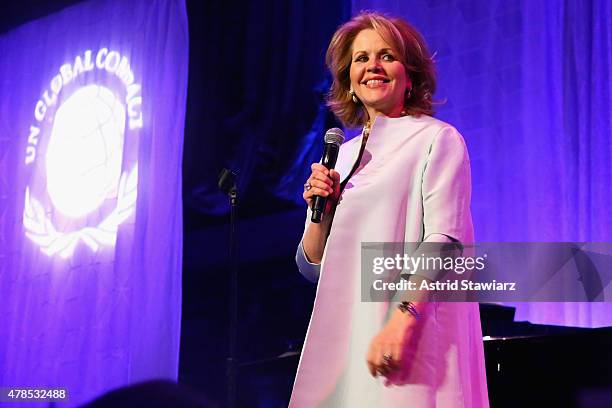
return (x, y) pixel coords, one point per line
(386, 348)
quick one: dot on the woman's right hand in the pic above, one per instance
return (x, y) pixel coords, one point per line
(324, 183)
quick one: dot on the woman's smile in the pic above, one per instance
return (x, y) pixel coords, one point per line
(375, 83)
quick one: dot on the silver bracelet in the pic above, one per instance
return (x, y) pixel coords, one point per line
(408, 307)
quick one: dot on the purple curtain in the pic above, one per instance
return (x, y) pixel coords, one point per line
(92, 114)
(528, 85)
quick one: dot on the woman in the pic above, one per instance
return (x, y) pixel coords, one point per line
(406, 178)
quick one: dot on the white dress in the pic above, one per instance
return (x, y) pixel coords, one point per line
(413, 181)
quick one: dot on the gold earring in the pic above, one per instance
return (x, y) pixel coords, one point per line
(353, 96)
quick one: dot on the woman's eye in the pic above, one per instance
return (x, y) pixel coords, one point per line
(361, 58)
(388, 57)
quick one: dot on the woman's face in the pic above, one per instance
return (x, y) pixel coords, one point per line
(377, 77)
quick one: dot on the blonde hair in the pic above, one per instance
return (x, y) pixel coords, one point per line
(411, 51)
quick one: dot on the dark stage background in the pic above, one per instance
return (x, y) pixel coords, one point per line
(262, 63)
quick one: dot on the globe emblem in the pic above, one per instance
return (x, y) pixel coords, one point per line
(83, 159)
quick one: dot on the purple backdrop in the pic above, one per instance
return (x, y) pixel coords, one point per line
(528, 85)
(91, 135)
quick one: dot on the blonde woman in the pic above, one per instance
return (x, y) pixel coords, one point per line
(406, 178)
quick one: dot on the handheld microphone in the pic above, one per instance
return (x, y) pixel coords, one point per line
(334, 137)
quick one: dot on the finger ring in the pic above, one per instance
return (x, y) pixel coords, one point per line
(307, 186)
(387, 359)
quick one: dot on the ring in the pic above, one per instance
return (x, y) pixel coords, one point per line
(387, 359)
(307, 186)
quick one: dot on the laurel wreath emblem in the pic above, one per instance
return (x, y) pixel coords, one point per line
(40, 228)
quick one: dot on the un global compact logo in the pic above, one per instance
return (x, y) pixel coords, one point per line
(82, 153)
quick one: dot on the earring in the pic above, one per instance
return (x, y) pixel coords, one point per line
(409, 93)
(353, 96)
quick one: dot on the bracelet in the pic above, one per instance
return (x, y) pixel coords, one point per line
(408, 307)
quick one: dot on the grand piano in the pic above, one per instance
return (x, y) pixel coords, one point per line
(534, 365)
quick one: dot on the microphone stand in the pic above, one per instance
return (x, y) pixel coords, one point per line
(227, 184)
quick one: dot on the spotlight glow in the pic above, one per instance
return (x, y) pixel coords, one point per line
(89, 177)
(84, 156)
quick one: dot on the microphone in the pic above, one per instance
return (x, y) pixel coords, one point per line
(334, 137)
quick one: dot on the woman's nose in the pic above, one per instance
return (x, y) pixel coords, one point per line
(374, 66)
